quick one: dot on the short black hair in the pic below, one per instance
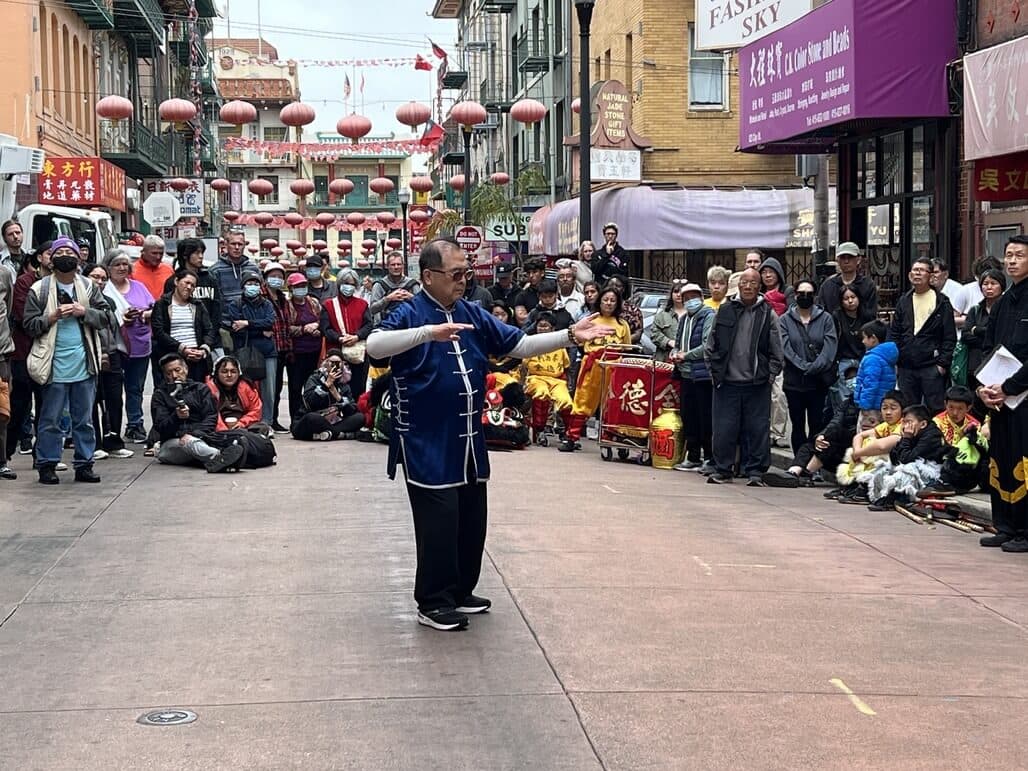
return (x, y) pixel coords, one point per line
(897, 396)
(960, 393)
(535, 264)
(432, 252)
(315, 261)
(333, 352)
(547, 286)
(546, 316)
(923, 261)
(625, 282)
(876, 329)
(917, 412)
(757, 250)
(995, 274)
(186, 248)
(984, 264)
(938, 262)
(182, 273)
(168, 358)
(1018, 239)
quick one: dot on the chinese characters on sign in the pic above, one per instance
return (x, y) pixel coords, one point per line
(1001, 179)
(995, 115)
(615, 165)
(633, 398)
(725, 24)
(82, 181)
(191, 198)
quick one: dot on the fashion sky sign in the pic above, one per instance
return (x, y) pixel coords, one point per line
(725, 24)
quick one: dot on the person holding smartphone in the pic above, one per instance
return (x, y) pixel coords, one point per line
(329, 409)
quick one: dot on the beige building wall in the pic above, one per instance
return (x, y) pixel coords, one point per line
(645, 44)
(49, 78)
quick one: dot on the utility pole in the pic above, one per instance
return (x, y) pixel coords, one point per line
(821, 218)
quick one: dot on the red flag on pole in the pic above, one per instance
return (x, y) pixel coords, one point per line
(437, 52)
(421, 63)
(433, 133)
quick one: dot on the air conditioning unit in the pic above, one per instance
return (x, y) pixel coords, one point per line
(806, 166)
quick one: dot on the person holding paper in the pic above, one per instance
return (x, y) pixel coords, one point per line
(1007, 336)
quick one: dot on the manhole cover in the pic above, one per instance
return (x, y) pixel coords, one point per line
(168, 717)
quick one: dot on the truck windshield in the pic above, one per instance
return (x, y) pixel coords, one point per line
(47, 227)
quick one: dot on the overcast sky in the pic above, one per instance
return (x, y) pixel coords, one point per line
(330, 29)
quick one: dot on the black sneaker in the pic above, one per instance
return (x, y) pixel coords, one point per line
(472, 604)
(6, 472)
(1016, 545)
(443, 619)
(567, 447)
(224, 460)
(278, 428)
(997, 539)
(717, 478)
(48, 476)
(365, 435)
(135, 435)
(85, 474)
(756, 482)
(25, 446)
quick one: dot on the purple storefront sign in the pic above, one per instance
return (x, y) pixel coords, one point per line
(886, 59)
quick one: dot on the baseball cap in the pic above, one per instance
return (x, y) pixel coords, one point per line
(296, 278)
(273, 266)
(690, 288)
(847, 248)
(504, 269)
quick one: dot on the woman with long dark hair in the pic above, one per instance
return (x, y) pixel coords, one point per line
(238, 400)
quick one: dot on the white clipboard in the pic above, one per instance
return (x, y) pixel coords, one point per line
(1000, 366)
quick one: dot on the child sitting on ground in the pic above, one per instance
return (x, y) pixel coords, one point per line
(870, 445)
(914, 463)
(546, 379)
(966, 464)
(956, 419)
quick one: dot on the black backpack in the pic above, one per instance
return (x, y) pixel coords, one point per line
(258, 450)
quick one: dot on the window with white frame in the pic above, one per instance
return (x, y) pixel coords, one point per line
(708, 77)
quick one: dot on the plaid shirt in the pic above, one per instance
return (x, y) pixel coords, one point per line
(280, 332)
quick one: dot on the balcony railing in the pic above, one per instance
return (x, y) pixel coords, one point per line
(355, 200)
(134, 147)
(534, 176)
(493, 96)
(136, 16)
(98, 14)
(533, 54)
(255, 158)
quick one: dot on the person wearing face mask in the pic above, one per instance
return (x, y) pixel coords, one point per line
(275, 287)
(809, 343)
(251, 320)
(304, 315)
(346, 321)
(317, 286)
(64, 314)
(691, 337)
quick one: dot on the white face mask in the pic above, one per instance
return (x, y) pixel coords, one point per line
(347, 290)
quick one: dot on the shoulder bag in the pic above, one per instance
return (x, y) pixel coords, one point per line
(353, 354)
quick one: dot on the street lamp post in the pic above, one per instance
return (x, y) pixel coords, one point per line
(466, 193)
(584, 9)
(404, 198)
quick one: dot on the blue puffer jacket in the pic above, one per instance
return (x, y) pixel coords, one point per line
(876, 376)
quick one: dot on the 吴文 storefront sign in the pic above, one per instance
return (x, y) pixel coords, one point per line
(995, 108)
(82, 181)
(615, 165)
(191, 198)
(1001, 179)
(839, 63)
(726, 24)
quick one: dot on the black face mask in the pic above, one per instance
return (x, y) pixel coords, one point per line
(65, 263)
(805, 300)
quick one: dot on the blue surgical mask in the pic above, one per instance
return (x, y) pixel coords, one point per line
(300, 292)
(276, 283)
(347, 290)
(692, 307)
(251, 290)
(313, 272)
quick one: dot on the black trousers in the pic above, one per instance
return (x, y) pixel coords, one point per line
(23, 390)
(697, 419)
(923, 384)
(807, 415)
(109, 409)
(742, 421)
(313, 423)
(1007, 445)
(830, 458)
(300, 367)
(449, 528)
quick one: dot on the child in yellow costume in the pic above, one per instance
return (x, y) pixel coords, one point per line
(589, 388)
(546, 380)
(873, 443)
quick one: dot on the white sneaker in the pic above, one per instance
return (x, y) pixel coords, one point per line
(324, 436)
(122, 453)
(100, 455)
(61, 467)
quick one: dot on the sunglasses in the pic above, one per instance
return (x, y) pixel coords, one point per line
(460, 274)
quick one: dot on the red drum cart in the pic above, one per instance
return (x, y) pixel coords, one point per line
(635, 390)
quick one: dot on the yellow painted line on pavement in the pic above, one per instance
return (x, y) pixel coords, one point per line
(857, 702)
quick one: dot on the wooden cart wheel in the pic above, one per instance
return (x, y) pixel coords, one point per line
(606, 453)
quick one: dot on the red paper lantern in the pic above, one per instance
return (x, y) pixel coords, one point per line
(293, 218)
(367, 252)
(176, 110)
(276, 251)
(413, 114)
(269, 243)
(319, 245)
(576, 106)
(369, 243)
(264, 218)
(457, 182)
(341, 186)
(386, 218)
(114, 107)
(468, 113)
(301, 187)
(356, 218)
(344, 246)
(237, 112)
(253, 249)
(394, 243)
(231, 216)
(260, 187)
(500, 178)
(381, 185)
(300, 251)
(419, 216)
(179, 184)
(292, 243)
(362, 263)
(353, 126)
(325, 219)
(421, 183)
(528, 111)
(220, 184)
(344, 264)
(296, 114)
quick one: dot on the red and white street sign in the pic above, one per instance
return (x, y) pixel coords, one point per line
(470, 238)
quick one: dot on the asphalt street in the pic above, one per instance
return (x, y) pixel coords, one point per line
(642, 619)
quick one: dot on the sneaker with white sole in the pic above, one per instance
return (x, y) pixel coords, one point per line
(61, 467)
(688, 465)
(122, 453)
(323, 436)
(25, 446)
(443, 619)
(101, 455)
(473, 604)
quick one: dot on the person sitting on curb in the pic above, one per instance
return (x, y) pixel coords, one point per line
(184, 413)
(237, 399)
(330, 410)
(869, 445)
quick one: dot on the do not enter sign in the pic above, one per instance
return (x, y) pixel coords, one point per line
(470, 238)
